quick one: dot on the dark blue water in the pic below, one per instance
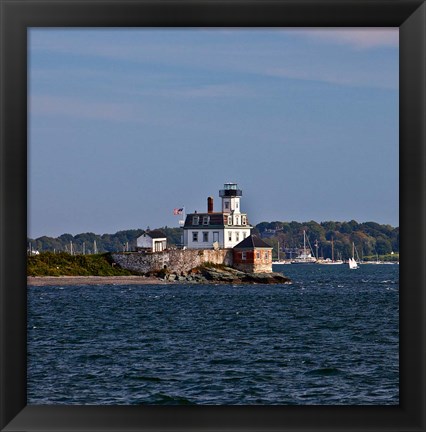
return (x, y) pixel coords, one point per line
(330, 338)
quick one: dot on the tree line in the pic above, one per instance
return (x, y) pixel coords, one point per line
(90, 243)
(370, 238)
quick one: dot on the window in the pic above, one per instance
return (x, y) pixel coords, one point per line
(230, 236)
(195, 236)
(237, 220)
(266, 256)
(243, 255)
(236, 204)
(195, 220)
(205, 236)
(244, 235)
(244, 220)
(227, 205)
(258, 255)
(229, 220)
(206, 220)
(216, 236)
(237, 236)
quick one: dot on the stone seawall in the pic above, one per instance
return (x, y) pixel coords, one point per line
(248, 268)
(175, 261)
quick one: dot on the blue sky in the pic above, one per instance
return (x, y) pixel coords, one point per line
(127, 124)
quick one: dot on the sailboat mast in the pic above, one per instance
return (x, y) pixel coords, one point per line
(332, 249)
(304, 244)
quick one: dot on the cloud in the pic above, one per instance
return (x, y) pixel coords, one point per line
(335, 77)
(81, 109)
(205, 91)
(87, 45)
(357, 38)
(47, 74)
(160, 66)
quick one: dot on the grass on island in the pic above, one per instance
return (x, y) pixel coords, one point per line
(64, 264)
(385, 258)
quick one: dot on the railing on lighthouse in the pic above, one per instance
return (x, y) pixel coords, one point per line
(230, 190)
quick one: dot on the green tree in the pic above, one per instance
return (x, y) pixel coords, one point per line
(383, 246)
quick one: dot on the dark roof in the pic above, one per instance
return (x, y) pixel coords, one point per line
(252, 242)
(216, 219)
(155, 234)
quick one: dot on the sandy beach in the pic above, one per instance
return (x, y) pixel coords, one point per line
(93, 280)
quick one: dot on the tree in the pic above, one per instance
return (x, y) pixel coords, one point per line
(383, 246)
(315, 231)
(262, 226)
(345, 228)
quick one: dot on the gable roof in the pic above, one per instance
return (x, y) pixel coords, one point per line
(252, 242)
(155, 234)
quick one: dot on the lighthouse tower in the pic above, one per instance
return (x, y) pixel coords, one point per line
(230, 195)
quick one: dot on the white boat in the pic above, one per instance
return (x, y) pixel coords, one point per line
(305, 257)
(352, 263)
(280, 261)
(328, 261)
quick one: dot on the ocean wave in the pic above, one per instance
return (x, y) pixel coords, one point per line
(326, 371)
(166, 399)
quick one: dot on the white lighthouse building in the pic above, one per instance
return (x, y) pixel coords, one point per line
(226, 228)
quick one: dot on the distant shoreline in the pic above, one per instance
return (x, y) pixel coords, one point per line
(92, 280)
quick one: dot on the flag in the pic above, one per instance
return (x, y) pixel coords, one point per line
(177, 211)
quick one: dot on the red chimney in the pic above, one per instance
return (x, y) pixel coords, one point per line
(210, 204)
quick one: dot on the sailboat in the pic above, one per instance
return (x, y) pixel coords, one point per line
(332, 261)
(278, 261)
(352, 263)
(305, 257)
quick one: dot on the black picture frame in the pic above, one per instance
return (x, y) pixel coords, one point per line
(16, 17)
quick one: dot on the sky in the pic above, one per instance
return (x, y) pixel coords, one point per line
(127, 124)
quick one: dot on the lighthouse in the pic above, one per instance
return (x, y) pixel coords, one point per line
(230, 195)
(224, 229)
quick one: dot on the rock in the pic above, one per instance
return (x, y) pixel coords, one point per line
(267, 278)
(229, 275)
(219, 275)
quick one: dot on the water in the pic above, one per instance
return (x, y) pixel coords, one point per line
(330, 338)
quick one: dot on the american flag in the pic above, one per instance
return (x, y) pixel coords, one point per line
(177, 211)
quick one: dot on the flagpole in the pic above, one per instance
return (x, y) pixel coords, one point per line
(183, 240)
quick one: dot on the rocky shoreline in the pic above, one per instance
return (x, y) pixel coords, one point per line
(225, 275)
(204, 275)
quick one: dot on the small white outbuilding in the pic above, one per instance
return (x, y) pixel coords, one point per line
(152, 241)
